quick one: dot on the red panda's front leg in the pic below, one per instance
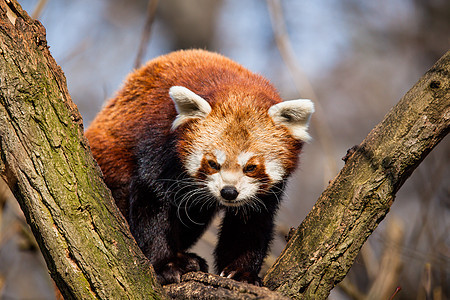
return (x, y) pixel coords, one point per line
(243, 244)
(153, 228)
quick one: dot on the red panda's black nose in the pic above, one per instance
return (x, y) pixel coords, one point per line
(229, 192)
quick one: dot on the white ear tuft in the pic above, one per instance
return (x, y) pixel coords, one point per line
(188, 104)
(295, 115)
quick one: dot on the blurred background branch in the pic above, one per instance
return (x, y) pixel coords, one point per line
(304, 87)
(146, 32)
(38, 9)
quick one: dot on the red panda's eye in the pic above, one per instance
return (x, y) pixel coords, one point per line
(249, 168)
(214, 165)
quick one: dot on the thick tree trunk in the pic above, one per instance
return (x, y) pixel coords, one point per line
(323, 248)
(45, 159)
(47, 164)
(89, 250)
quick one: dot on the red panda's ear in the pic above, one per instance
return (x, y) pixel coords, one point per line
(188, 104)
(295, 115)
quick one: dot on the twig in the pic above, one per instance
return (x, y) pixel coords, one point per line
(391, 262)
(370, 261)
(38, 9)
(145, 37)
(430, 180)
(397, 290)
(302, 84)
(351, 290)
(426, 282)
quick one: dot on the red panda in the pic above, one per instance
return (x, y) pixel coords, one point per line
(189, 134)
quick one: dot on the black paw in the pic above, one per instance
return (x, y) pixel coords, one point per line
(240, 274)
(172, 270)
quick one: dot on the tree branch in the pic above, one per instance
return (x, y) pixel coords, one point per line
(47, 164)
(205, 286)
(323, 248)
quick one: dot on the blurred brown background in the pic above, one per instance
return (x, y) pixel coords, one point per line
(354, 58)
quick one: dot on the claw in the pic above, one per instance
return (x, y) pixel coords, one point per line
(230, 275)
(241, 275)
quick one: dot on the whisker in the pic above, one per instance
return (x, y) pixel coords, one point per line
(196, 194)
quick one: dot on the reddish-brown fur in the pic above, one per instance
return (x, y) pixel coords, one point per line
(141, 157)
(144, 102)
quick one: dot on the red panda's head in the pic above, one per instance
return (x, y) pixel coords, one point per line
(236, 149)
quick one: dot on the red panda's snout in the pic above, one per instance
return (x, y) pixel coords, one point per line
(235, 180)
(229, 192)
(232, 188)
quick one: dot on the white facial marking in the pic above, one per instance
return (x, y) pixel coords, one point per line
(274, 169)
(220, 156)
(244, 157)
(230, 178)
(247, 188)
(193, 162)
(214, 184)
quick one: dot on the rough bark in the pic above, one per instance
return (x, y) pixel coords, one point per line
(323, 248)
(203, 286)
(48, 166)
